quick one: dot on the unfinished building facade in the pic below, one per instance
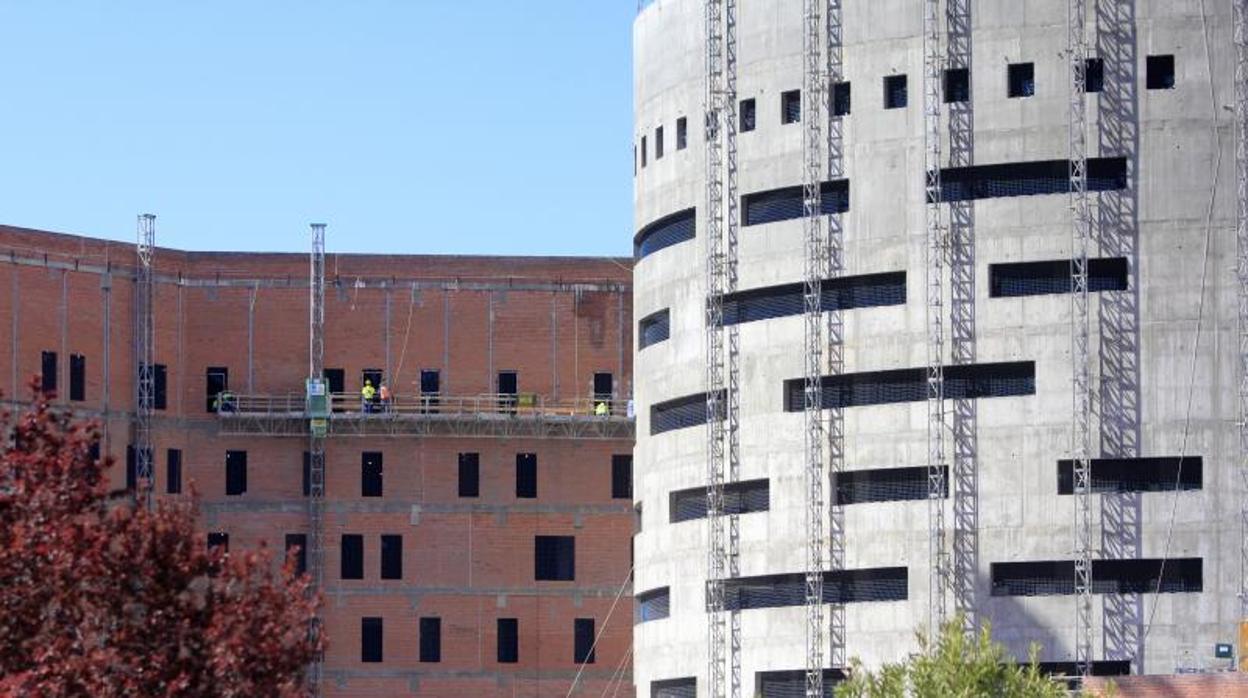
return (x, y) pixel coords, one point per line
(475, 525)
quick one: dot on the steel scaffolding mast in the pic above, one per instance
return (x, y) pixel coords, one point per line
(816, 268)
(835, 327)
(1241, 258)
(938, 577)
(1081, 413)
(732, 205)
(716, 552)
(316, 442)
(144, 356)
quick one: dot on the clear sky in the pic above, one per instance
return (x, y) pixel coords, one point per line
(418, 126)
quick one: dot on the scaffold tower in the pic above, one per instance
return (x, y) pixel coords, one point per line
(144, 356)
(316, 441)
(1241, 259)
(732, 229)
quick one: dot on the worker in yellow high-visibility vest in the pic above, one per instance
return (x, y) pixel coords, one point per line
(367, 394)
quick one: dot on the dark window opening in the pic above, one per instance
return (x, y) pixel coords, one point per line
(1157, 474)
(217, 381)
(653, 328)
(352, 563)
(297, 546)
(526, 475)
(370, 377)
(957, 85)
(1160, 72)
(1054, 276)
(658, 143)
(1094, 75)
(47, 372)
(841, 293)
(307, 474)
(336, 384)
(744, 497)
(1100, 667)
(430, 639)
(469, 474)
(235, 472)
(964, 382)
(160, 387)
(1028, 178)
(643, 152)
(748, 116)
(554, 558)
(391, 557)
(622, 476)
(77, 377)
(219, 540)
(370, 639)
(173, 471)
(789, 203)
(792, 683)
(682, 412)
(1022, 79)
(430, 382)
(655, 604)
(370, 474)
(583, 650)
(604, 386)
(1135, 576)
(682, 133)
(844, 586)
(508, 387)
(508, 640)
(686, 687)
(841, 99)
(884, 485)
(790, 107)
(665, 232)
(895, 91)
(132, 468)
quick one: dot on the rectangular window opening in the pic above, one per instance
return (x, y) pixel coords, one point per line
(682, 133)
(783, 684)
(681, 412)
(352, 562)
(1132, 576)
(235, 472)
(743, 497)
(430, 640)
(790, 107)
(604, 386)
(841, 98)
(47, 372)
(884, 485)
(370, 640)
(895, 92)
(583, 650)
(788, 203)
(1054, 276)
(297, 547)
(748, 115)
(508, 388)
(655, 604)
(160, 387)
(469, 474)
(370, 474)
(216, 382)
(173, 471)
(643, 152)
(554, 558)
(526, 475)
(622, 476)
(1022, 79)
(508, 640)
(962, 382)
(841, 293)
(217, 539)
(1028, 178)
(391, 556)
(665, 232)
(77, 377)
(1155, 474)
(653, 328)
(957, 85)
(1094, 75)
(1160, 72)
(686, 687)
(658, 143)
(843, 586)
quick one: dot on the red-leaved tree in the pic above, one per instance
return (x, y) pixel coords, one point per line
(100, 597)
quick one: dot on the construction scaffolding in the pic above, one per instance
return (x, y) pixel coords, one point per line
(732, 229)
(938, 577)
(144, 356)
(716, 278)
(1081, 412)
(816, 269)
(316, 440)
(1241, 258)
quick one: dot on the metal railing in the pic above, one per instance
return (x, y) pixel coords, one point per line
(353, 406)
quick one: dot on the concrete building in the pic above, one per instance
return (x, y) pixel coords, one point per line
(1165, 428)
(476, 529)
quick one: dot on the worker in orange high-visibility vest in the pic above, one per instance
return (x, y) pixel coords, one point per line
(384, 393)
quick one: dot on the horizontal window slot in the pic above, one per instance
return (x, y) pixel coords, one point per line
(1028, 178)
(654, 328)
(1057, 577)
(682, 412)
(792, 683)
(739, 498)
(1100, 667)
(789, 203)
(655, 604)
(674, 688)
(845, 586)
(963, 382)
(842, 293)
(884, 485)
(1054, 276)
(665, 232)
(1158, 474)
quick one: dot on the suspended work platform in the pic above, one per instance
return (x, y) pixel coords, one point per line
(487, 415)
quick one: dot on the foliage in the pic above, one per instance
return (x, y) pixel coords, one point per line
(955, 665)
(100, 597)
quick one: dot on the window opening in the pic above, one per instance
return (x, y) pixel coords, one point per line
(77, 377)
(790, 107)
(1160, 71)
(622, 476)
(895, 92)
(747, 115)
(526, 475)
(352, 563)
(173, 476)
(391, 557)
(370, 474)
(554, 558)
(217, 385)
(1022, 79)
(370, 639)
(957, 85)
(235, 472)
(508, 640)
(430, 639)
(584, 651)
(469, 474)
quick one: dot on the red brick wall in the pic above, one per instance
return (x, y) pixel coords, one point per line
(468, 561)
(1177, 686)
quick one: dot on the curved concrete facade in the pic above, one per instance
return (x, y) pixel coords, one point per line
(1142, 337)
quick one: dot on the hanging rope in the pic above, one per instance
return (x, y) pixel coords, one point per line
(598, 635)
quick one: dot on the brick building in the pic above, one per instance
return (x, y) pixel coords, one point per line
(473, 545)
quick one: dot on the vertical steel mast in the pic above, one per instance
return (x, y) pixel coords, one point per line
(715, 282)
(816, 254)
(1241, 259)
(316, 442)
(936, 486)
(144, 356)
(1081, 413)
(835, 327)
(732, 205)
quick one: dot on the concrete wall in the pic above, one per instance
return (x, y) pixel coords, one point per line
(1143, 338)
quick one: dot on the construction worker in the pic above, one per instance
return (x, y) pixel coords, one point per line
(384, 393)
(601, 409)
(224, 402)
(367, 394)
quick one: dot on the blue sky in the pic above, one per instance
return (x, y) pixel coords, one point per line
(418, 126)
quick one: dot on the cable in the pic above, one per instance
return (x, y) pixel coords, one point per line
(619, 672)
(601, 630)
(1200, 316)
(411, 303)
